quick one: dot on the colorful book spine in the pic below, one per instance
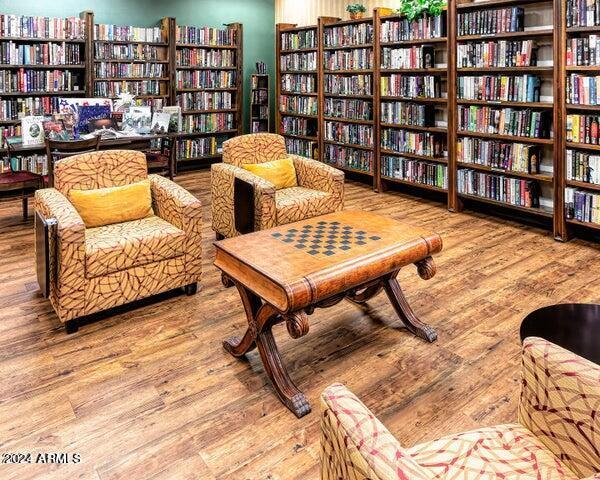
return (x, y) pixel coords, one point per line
(502, 53)
(347, 157)
(423, 28)
(35, 163)
(298, 83)
(487, 22)
(348, 85)
(298, 126)
(346, 35)
(516, 88)
(23, 81)
(583, 89)
(513, 191)
(504, 121)
(208, 123)
(21, 26)
(582, 206)
(509, 156)
(129, 52)
(408, 113)
(15, 108)
(582, 13)
(354, 59)
(415, 171)
(300, 62)
(351, 109)
(410, 86)
(205, 101)
(582, 166)
(304, 148)
(583, 51)
(298, 104)
(127, 33)
(349, 133)
(417, 143)
(205, 79)
(54, 54)
(301, 39)
(406, 58)
(114, 89)
(128, 70)
(205, 36)
(205, 58)
(583, 128)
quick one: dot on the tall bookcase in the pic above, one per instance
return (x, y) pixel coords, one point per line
(260, 105)
(44, 63)
(297, 88)
(207, 85)
(579, 106)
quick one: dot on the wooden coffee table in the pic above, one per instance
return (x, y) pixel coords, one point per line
(284, 273)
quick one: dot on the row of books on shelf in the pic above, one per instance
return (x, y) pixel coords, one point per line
(128, 52)
(299, 126)
(582, 89)
(582, 206)
(205, 100)
(9, 131)
(125, 70)
(352, 109)
(69, 28)
(205, 36)
(298, 83)
(139, 87)
(298, 104)
(260, 112)
(258, 126)
(198, 147)
(507, 88)
(416, 143)
(353, 59)
(348, 157)
(299, 61)
(40, 54)
(583, 128)
(127, 33)
(411, 57)
(348, 84)
(260, 97)
(23, 80)
(410, 86)
(205, 79)
(208, 122)
(408, 113)
(348, 133)
(15, 108)
(582, 13)
(424, 27)
(583, 167)
(504, 121)
(502, 53)
(304, 148)
(415, 171)
(522, 193)
(488, 21)
(35, 163)
(352, 34)
(515, 157)
(299, 40)
(202, 57)
(583, 51)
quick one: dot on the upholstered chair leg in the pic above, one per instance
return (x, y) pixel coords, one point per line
(219, 236)
(71, 326)
(191, 289)
(25, 208)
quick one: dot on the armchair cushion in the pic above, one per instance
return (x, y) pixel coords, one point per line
(560, 403)
(280, 173)
(297, 203)
(503, 451)
(105, 206)
(120, 246)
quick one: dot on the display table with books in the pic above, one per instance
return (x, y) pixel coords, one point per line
(284, 273)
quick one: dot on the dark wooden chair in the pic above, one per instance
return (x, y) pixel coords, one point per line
(19, 183)
(59, 149)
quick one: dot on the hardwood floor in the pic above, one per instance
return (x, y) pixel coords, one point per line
(149, 393)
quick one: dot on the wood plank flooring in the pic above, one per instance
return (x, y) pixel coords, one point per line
(149, 393)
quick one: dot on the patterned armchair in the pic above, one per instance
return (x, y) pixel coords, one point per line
(98, 268)
(320, 187)
(557, 437)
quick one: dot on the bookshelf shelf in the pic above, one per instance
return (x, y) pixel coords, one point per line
(517, 70)
(497, 3)
(350, 47)
(346, 168)
(430, 71)
(299, 50)
(200, 89)
(300, 115)
(209, 47)
(414, 127)
(347, 71)
(500, 103)
(582, 68)
(355, 96)
(216, 110)
(549, 32)
(41, 40)
(64, 93)
(576, 106)
(133, 42)
(187, 67)
(299, 94)
(441, 101)
(594, 226)
(203, 134)
(542, 212)
(593, 29)
(414, 184)
(5, 66)
(128, 61)
(260, 105)
(483, 168)
(348, 120)
(583, 146)
(351, 145)
(415, 156)
(586, 185)
(302, 137)
(416, 41)
(540, 141)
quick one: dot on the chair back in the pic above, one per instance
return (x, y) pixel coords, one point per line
(106, 168)
(56, 150)
(254, 148)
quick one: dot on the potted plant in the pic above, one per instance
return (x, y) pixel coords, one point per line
(356, 10)
(413, 9)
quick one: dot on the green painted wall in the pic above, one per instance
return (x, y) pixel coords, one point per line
(257, 16)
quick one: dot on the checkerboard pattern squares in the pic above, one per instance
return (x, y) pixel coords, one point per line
(325, 238)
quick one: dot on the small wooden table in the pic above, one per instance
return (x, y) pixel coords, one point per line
(284, 273)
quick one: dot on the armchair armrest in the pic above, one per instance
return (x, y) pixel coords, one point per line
(560, 396)
(319, 176)
(223, 177)
(180, 208)
(67, 254)
(354, 444)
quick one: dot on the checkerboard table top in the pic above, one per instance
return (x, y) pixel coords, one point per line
(322, 254)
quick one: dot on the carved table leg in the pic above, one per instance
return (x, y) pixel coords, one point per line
(398, 301)
(226, 281)
(261, 317)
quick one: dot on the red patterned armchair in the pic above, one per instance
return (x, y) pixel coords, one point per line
(320, 187)
(94, 269)
(557, 435)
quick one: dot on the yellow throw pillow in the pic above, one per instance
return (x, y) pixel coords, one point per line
(280, 173)
(105, 206)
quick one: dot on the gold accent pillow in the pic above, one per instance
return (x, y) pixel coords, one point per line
(280, 173)
(105, 206)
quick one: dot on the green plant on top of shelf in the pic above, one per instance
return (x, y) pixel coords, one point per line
(413, 9)
(356, 10)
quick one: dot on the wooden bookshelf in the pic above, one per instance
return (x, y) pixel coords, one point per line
(260, 105)
(334, 108)
(538, 22)
(300, 130)
(193, 64)
(392, 41)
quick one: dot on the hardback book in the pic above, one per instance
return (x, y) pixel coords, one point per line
(160, 122)
(138, 119)
(176, 121)
(32, 130)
